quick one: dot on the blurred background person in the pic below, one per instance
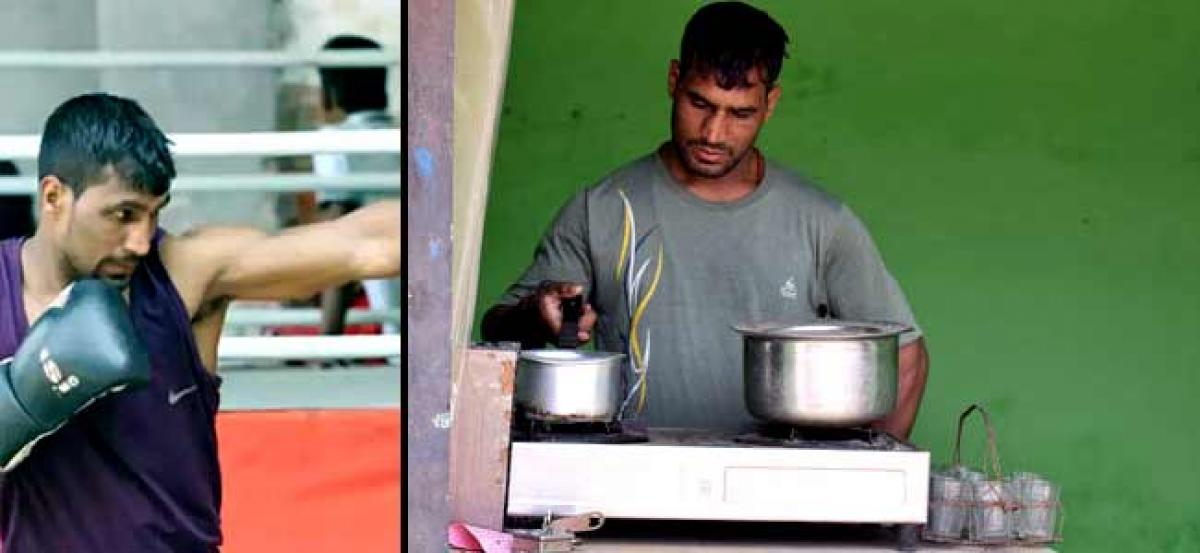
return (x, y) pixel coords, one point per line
(352, 98)
(16, 210)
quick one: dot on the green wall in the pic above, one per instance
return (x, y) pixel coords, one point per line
(1030, 169)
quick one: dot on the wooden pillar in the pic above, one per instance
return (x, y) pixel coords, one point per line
(429, 88)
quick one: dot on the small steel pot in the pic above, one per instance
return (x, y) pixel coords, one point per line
(564, 385)
(835, 373)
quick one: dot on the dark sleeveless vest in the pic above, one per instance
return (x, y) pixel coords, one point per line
(136, 471)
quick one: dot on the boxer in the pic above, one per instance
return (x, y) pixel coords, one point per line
(136, 470)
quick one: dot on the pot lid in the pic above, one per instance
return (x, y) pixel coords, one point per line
(567, 355)
(823, 330)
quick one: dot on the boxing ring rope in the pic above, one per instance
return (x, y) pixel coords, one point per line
(239, 317)
(108, 59)
(282, 182)
(271, 348)
(374, 141)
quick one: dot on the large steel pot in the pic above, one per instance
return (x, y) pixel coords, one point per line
(563, 385)
(834, 373)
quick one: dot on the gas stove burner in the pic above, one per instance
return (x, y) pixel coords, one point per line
(777, 435)
(816, 433)
(581, 437)
(528, 430)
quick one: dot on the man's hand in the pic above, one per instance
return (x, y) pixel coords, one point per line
(548, 301)
(538, 317)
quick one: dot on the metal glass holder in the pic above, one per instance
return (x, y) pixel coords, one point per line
(970, 507)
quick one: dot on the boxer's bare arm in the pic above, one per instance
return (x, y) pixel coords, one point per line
(211, 266)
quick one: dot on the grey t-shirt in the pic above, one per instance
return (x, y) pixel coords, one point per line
(677, 272)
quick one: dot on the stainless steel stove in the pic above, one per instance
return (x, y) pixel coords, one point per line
(772, 475)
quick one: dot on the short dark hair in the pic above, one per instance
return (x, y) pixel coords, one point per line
(353, 88)
(92, 132)
(729, 39)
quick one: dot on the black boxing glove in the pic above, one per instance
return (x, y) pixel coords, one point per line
(81, 349)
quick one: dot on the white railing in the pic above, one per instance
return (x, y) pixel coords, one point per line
(276, 316)
(252, 144)
(274, 348)
(109, 59)
(269, 182)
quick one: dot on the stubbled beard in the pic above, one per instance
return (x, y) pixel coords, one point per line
(118, 283)
(681, 152)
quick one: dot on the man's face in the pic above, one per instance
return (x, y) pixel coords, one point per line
(713, 128)
(106, 230)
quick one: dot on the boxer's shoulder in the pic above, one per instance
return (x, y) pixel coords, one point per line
(209, 242)
(196, 258)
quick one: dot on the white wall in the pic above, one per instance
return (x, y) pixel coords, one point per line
(309, 23)
(199, 99)
(187, 100)
(28, 95)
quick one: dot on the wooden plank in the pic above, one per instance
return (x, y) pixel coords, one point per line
(429, 35)
(482, 403)
(481, 37)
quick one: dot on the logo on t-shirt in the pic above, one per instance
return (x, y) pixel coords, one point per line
(788, 290)
(173, 397)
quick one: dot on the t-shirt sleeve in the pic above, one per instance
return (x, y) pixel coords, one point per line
(561, 255)
(859, 285)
